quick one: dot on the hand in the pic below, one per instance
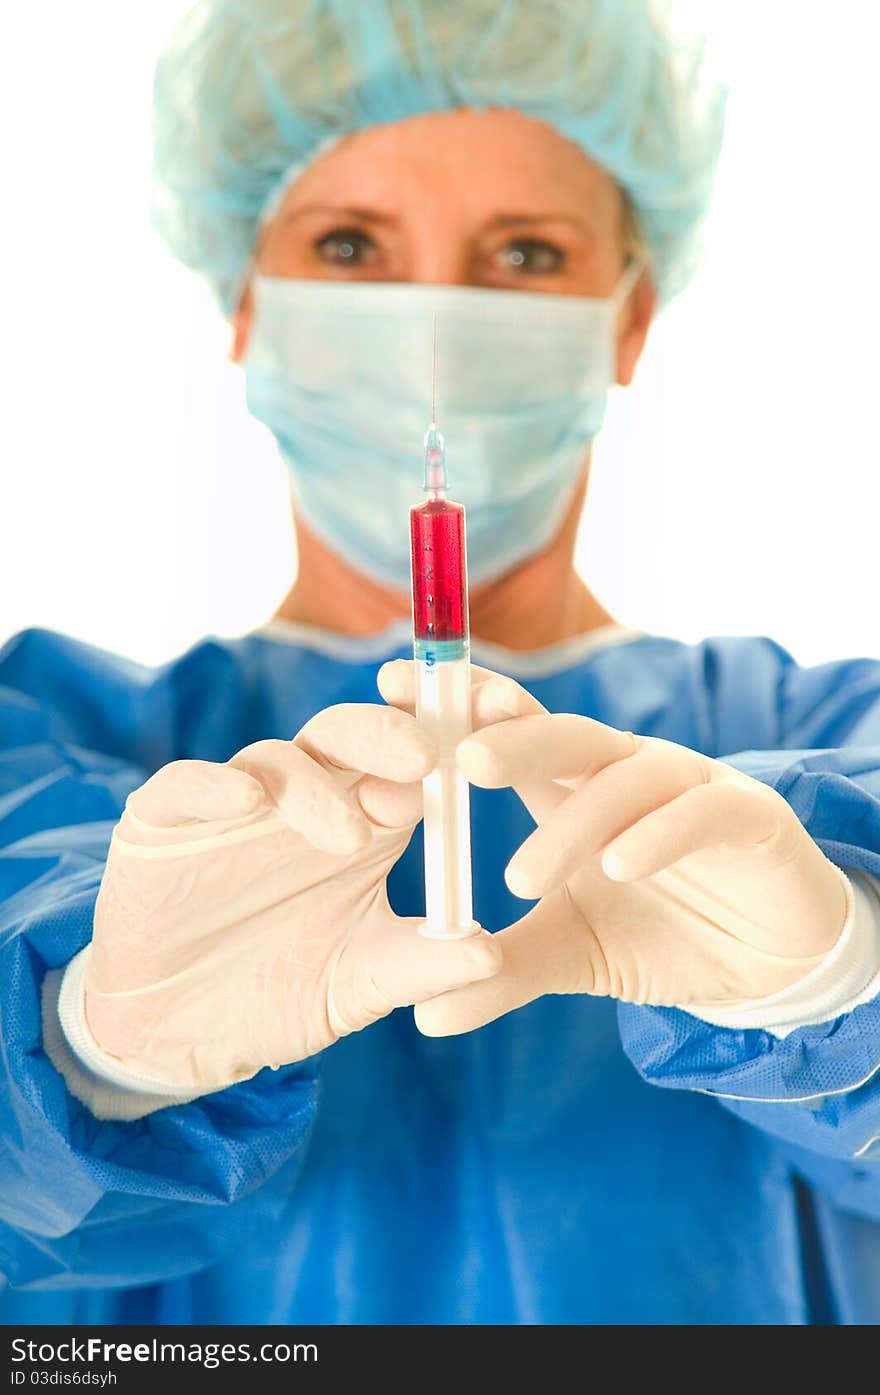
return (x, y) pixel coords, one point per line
(664, 876)
(243, 918)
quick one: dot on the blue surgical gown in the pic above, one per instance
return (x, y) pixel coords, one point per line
(529, 1172)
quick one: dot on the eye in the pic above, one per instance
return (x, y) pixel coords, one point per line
(531, 258)
(346, 247)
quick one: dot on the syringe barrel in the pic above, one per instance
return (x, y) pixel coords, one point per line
(439, 571)
(443, 706)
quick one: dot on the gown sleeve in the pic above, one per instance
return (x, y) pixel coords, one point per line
(816, 1090)
(83, 1202)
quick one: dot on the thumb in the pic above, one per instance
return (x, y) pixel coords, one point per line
(189, 792)
(403, 967)
(548, 951)
(408, 967)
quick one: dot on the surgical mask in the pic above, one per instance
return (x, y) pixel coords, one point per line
(342, 375)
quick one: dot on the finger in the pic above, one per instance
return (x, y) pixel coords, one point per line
(497, 699)
(546, 747)
(545, 952)
(194, 791)
(396, 682)
(371, 738)
(703, 817)
(405, 968)
(494, 697)
(389, 804)
(308, 797)
(532, 753)
(609, 802)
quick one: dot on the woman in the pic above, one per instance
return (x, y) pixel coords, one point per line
(530, 179)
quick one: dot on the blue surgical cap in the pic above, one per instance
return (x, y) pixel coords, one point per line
(248, 92)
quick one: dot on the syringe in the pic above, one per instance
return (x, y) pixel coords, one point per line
(443, 694)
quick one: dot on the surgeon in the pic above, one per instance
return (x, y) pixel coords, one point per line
(647, 1090)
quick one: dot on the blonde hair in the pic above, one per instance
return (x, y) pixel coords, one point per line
(635, 244)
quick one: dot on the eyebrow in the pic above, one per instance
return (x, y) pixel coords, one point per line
(361, 215)
(532, 220)
(499, 220)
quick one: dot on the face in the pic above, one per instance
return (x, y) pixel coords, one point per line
(461, 198)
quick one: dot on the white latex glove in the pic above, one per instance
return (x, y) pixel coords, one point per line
(243, 919)
(664, 876)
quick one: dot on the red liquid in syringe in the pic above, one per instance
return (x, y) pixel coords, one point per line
(439, 571)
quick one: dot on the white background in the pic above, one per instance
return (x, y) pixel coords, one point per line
(736, 485)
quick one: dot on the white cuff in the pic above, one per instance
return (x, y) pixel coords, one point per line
(98, 1080)
(847, 977)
